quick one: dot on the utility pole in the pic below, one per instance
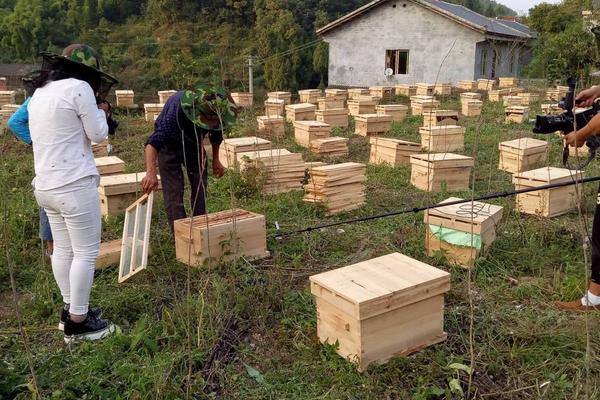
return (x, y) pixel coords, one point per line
(250, 75)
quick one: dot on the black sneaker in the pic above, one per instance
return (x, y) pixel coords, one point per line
(93, 328)
(64, 314)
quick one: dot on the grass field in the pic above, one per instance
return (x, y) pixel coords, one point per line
(248, 330)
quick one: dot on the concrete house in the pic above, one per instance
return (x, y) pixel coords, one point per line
(422, 41)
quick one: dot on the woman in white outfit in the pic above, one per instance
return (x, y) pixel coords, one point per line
(64, 119)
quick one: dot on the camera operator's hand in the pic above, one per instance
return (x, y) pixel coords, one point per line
(578, 139)
(575, 139)
(587, 97)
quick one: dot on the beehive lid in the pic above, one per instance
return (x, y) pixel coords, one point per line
(421, 98)
(482, 216)
(7, 92)
(234, 144)
(365, 99)
(120, 184)
(311, 124)
(425, 85)
(442, 160)
(332, 111)
(216, 219)
(270, 100)
(380, 285)
(309, 91)
(167, 92)
(301, 107)
(149, 106)
(395, 143)
(106, 161)
(393, 107)
(546, 176)
(471, 95)
(267, 118)
(441, 113)
(473, 102)
(124, 92)
(517, 110)
(524, 146)
(443, 130)
(336, 91)
(380, 88)
(373, 118)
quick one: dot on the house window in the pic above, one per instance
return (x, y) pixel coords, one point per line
(484, 56)
(397, 60)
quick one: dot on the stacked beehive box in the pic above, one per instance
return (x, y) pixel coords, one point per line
(467, 96)
(362, 105)
(311, 96)
(117, 192)
(372, 124)
(336, 94)
(231, 147)
(331, 103)
(508, 82)
(300, 112)
(549, 202)
(486, 84)
(422, 104)
(107, 166)
(440, 118)
(339, 187)
(281, 170)
(396, 111)
(152, 111)
(381, 308)
(3, 85)
(381, 92)
(355, 93)
(406, 90)
(101, 149)
(557, 94)
(125, 98)
(274, 107)
(443, 89)
(285, 96)
(443, 139)
(330, 147)
(552, 109)
(242, 99)
(468, 85)
(336, 118)
(472, 108)
(462, 231)
(394, 152)
(307, 131)
(222, 236)
(436, 172)
(7, 97)
(523, 154)
(512, 101)
(528, 98)
(163, 95)
(271, 126)
(497, 95)
(425, 89)
(517, 114)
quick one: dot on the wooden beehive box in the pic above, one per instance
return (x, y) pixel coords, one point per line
(472, 108)
(468, 85)
(339, 187)
(231, 147)
(393, 152)
(109, 165)
(271, 126)
(362, 106)
(307, 131)
(440, 118)
(7, 97)
(512, 101)
(552, 109)
(125, 98)
(3, 85)
(311, 96)
(422, 104)
(117, 192)
(331, 103)
(285, 96)
(381, 92)
(109, 254)
(300, 112)
(406, 90)
(443, 139)
(152, 110)
(372, 124)
(549, 202)
(443, 89)
(243, 99)
(478, 222)
(330, 147)
(222, 236)
(337, 94)
(281, 171)
(396, 111)
(425, 89)
(486, 84)
(523, 154)
(508, 82)
(582, 151)
(434, 172)
(468, 96)
(163, 95)
(101, 149)
(528, 98)
(517, 114)
(274, 107)
(497, 95)
(380, 308)
(355, 93)
(336, 118)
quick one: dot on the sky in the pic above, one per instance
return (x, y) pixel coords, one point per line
(523, 6)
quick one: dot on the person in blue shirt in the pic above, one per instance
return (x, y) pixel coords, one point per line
(18, 123)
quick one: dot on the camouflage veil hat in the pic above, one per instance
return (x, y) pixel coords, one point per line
(204, 105)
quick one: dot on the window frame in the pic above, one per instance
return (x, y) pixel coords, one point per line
(130, 247)
(395, 55)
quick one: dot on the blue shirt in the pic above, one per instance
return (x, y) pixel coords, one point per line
(170, 124)
(18, 123)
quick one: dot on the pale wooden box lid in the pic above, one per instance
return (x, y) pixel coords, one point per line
(301, 107)
(393, 107)
(267, 118)
(7, 92)
(216, 219)
(309, 91)
(473, 102)
(395, 144)
(329, 140)
(517, 110)
(546, 176)
(471, 95)
(233, 143)
(124, 92)
(380, 285)
(421, 97)
(336, 91)
(339, 168)
(483, 215)
(311, 124)
(443, 130)
(524, 146)
(279, 93)
(150, 106)
(333, 111)
(381, 88)
(373, 118)
(426, 85)
(271, 100)
(465, 81)
(167, 92)
(441, 113)
(120, 184)
(110, 160)
(442, 160)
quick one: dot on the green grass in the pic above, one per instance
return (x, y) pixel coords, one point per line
(248, 331)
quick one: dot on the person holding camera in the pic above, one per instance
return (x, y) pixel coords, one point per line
(591, 300)
(64, 119)
(177, 141)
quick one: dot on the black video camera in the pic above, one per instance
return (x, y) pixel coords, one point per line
(569, 121)
(113, 124)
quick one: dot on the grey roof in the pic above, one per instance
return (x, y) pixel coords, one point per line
(455, 12)
(15, 69)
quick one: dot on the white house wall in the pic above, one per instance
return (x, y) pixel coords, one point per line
(357, 49)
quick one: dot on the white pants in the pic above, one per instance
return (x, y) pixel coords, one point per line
(74, 214)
